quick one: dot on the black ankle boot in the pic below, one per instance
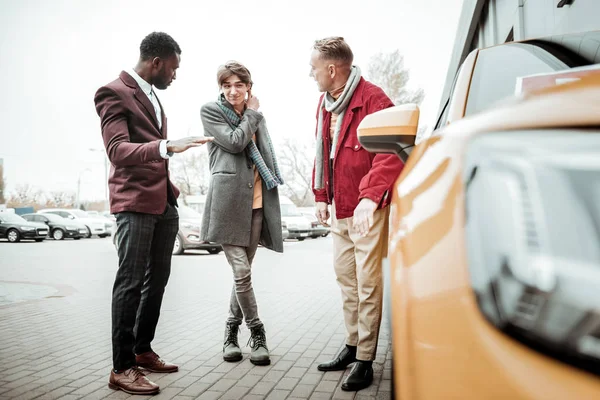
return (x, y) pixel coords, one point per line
(346, 357)
(360, 377)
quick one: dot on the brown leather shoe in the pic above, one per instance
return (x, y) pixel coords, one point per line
(152, 362)
(132, 381)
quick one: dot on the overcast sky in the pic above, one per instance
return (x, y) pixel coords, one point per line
(55, 54)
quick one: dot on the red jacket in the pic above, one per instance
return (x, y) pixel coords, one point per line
(357, 173)
(139, 176)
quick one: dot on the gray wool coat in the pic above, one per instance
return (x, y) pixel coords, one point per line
(228, 210)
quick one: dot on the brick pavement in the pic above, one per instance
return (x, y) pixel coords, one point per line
(59, 348)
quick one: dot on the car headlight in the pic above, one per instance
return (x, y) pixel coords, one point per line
(27, 228)
(533, 244)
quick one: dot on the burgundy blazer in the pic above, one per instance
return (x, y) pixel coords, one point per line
(139, 176)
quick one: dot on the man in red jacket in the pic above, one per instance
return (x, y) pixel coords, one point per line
(358, 186)
(134, 129)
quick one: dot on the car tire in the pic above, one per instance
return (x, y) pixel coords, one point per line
(301, 239)
(77, 238)
(214, 251)
(178, 246)
(102, 236)
(325, 234)
(13, 235)
(39, 240)
(314, 236)
(89, 233)
(58, 234)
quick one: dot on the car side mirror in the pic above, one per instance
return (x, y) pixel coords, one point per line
(393, 130)
(71, 217)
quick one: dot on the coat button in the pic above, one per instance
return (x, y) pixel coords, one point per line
(356, 147)
(249, 185)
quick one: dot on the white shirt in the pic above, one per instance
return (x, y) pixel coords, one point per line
(149, 92)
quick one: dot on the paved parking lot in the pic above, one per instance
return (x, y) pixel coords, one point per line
(55, 325)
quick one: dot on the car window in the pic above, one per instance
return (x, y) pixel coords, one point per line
(290, 210)
(497, 70)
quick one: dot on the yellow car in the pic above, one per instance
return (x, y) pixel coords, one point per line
(493, 274)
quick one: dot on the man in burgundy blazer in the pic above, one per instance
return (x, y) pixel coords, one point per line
(134, 129)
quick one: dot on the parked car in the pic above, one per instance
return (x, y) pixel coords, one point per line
(492, 277)
(59, 227)
(188, 237)
(284, 230)
(15, 228)
(107, 214)
(317, 229)
(95, 226)
(298, 226)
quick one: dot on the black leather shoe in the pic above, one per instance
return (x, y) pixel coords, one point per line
(360, 377)
(346, 357)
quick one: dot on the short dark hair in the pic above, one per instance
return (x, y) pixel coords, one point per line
(231, 68)
(334, 48)
(158, 44)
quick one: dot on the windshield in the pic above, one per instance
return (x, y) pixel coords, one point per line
(79, 213)
(290, 210)
(54, 217)
(9, 217)
(188, 213)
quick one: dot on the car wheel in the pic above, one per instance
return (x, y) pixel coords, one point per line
(39, 240)
(102, 236)
(301, 239)
(214, 251)
(314, 236)
(58, 234)
(13, 236)
(77, 238)
(325, 234)
(178, 246)
(89, 233)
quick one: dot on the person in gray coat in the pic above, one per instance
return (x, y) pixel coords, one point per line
(242, 205)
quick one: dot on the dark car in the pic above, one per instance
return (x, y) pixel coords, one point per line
(60, 227)
(14, 228)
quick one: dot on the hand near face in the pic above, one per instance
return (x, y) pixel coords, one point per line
(252, 102)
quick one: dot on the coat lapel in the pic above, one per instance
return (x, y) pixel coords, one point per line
(356, 102)
(163, 117)
(142, 98)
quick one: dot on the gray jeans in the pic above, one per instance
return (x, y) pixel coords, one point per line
(243, 303)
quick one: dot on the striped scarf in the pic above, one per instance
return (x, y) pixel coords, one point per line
(272, 180)
(336, 107)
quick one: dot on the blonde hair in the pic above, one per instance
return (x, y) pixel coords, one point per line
(334, 48)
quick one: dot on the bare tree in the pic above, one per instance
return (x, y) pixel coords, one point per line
(2, 185)
(26, 196)
(296, 160)
(387, 71)
(189, 172)
(61, 199)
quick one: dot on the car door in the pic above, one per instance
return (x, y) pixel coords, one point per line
(3, 227)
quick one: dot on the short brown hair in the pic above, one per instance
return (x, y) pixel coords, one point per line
(334, 48)
(231, 68)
